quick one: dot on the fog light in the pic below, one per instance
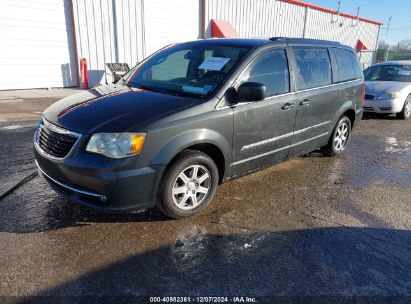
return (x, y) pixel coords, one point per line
(103, 199)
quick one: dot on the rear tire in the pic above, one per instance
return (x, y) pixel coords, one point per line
(339, 138)
(406, 110)
(188, 185)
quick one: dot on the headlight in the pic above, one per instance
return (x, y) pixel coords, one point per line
(392, 95)
(116, 145)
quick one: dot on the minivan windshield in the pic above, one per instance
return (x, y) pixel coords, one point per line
(192, 70)
(401, 73)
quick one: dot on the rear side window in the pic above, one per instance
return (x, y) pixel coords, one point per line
(347, 66)
(270, 69)
(314, 67)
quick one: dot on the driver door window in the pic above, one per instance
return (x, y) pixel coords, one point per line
(271, 70)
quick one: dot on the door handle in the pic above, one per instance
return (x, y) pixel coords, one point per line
(305, 102)
(288, 106)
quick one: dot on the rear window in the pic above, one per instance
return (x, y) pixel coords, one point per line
(314, 67)
(347, 66)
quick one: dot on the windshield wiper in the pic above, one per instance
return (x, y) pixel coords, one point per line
(150, 88)
(166, 91)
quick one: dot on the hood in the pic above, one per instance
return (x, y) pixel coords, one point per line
(378, 88)
(113, 108)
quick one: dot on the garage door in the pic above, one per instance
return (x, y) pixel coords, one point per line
(36, 44)
(170, 21)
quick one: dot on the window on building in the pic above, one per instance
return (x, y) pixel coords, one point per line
(347, 65)
(270, 69)
(314, 67)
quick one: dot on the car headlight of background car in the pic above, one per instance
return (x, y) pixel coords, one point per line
(391, 95)
(116, 145)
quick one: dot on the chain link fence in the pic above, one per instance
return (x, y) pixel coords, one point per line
(399, 55)
(367, 58)
(370, 57)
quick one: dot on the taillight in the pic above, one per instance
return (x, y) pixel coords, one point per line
(363, 94)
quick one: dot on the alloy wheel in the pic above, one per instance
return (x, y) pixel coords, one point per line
(191, 187)
(341, 136)
(407, 108)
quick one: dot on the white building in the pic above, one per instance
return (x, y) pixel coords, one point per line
(42, 41)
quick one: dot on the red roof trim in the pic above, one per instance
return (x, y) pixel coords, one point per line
(361, 46)
(327, 10)
(222, 29)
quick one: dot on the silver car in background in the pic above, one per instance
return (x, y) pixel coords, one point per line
(388, 88)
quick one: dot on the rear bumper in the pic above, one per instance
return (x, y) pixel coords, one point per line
(389, 106)
(358, 116)
(99, 186)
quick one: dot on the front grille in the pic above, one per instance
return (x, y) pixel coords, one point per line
(386, 108)
(55, 141)
(367, 96)
(368, 109)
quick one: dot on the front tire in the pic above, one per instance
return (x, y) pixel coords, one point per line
(188, 185)
(406, 110)
(339, 138)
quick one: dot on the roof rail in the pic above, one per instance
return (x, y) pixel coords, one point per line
(304, 40)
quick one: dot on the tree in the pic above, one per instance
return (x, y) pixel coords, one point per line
(382, 45)
(404, 45)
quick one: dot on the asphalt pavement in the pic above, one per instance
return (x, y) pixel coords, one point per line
(313, 229)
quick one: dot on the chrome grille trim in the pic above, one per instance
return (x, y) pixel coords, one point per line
(56, 129)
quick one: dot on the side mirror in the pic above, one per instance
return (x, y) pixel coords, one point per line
(251, 91)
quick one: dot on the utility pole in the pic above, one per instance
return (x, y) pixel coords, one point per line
(386, 33)
(388, 25)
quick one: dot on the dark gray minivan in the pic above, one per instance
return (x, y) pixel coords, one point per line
(195, 114)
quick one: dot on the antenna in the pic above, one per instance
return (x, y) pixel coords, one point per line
(358, 17)
(338, 13)
(338, 10)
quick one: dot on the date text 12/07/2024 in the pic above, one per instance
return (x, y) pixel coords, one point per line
(200, 299)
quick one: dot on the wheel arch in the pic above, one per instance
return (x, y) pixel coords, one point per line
(213, 152)
(348, 109)
(350, 113)
(207, 141)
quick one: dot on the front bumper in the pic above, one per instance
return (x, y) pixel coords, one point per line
(101, 183)
(388, 106)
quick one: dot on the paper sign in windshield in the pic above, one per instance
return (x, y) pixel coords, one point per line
(214, 63)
